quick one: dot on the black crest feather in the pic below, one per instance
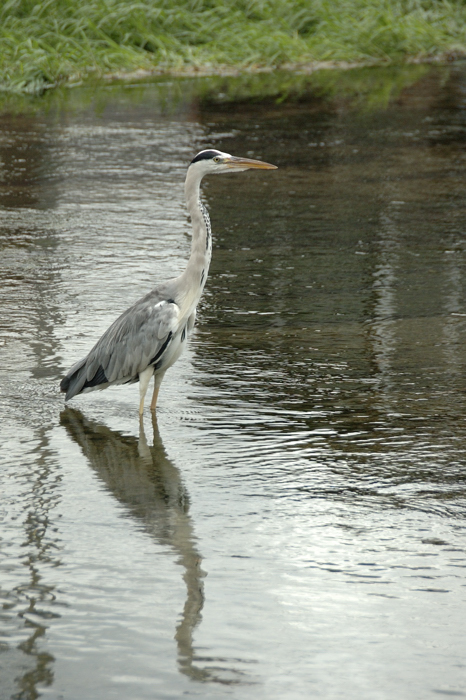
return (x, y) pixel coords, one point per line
(206, 155)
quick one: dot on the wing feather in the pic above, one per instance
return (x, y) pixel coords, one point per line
(139, 335)
(128, 346)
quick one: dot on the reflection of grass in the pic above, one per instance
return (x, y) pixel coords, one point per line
(361, 88)
(367, 88)
(42, 43)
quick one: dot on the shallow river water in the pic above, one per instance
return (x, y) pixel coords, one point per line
(293, 526)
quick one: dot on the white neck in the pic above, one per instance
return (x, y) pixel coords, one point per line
(192, 280)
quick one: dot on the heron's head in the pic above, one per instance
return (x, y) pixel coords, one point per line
(212, 161)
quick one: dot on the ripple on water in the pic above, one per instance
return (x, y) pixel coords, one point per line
(294, 525)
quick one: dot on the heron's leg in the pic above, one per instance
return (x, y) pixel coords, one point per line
(155, 395)
(157, 382)
(144, 379)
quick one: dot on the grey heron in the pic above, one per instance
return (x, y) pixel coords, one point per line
(150, 336)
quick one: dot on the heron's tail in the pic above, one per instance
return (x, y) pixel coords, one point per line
(75, 379)
(86, 375)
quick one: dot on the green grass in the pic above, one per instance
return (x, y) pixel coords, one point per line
(43, 44)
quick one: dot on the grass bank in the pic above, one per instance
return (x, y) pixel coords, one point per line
(43, 44)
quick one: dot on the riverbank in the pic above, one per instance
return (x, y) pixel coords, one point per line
(43, 46)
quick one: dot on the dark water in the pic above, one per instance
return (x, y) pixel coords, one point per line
(294, 525)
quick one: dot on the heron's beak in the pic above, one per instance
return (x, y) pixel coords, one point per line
(244, 163)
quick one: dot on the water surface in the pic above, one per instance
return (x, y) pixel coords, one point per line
(292, 525)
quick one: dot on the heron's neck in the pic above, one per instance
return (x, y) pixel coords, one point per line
(193, 278)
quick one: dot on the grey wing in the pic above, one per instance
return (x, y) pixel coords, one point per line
(137, 339)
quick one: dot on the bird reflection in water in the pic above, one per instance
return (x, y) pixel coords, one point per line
(146, 481)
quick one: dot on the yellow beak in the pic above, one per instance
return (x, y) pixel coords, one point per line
(243, 163)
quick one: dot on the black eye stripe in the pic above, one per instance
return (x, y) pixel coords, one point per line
(206, 155)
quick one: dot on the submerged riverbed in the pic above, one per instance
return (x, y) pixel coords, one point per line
(293, 525)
